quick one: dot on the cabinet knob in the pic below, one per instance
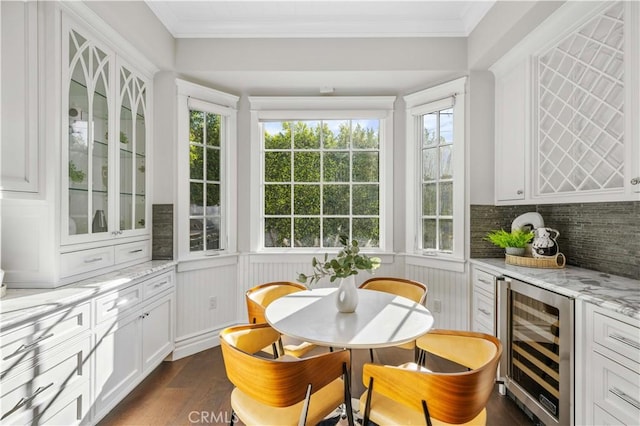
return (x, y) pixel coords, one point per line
(635, 181)
(519, 192)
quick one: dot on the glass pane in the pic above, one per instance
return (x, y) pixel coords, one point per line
(306, 199)
(213, 233)
(306, 166)
(429, 164)
(365, 134)
(140, 175)
(430, 130)
(213, 199)
(365, 167)
(126, 211)
(277, 167)
(446, 234)
(446, 198)
(277, 232)
(336, 200)
(196, 199)
(213, 129)
(99, 222)
(306, 135)
(277, 135)
(366, 231)
(336, 167)
(307, 232)
(335, 134)
(196, 235)
(331, 230)
(141, 131)
(446, 126)
(196, 123)
(366, 200)
(429, 201)
(126, 189)
(78, 217)
(277, 199)
(140, 211)
(213, 164)
(446, 163)
(429, 233)
(196, 162)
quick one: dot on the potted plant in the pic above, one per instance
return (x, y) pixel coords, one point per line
(344, 265)
(513, 242)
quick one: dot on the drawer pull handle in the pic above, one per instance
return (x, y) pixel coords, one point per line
(626, 398)
(118, 304)
(482, 280)
(484, 311)
(25, 401)
(135, 251)
(625, 340)
(24, 348)
(95, 259)
(160, 284)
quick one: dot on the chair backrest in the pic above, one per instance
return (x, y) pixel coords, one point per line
(410, 289)
(260, 296)
(451, 397)
(273, 382)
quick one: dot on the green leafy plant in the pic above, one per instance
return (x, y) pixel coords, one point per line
(75, 175)
(517, 238)
(347, 262)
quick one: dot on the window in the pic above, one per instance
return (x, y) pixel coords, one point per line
(206, 148)
(322, 174)
(435, 171)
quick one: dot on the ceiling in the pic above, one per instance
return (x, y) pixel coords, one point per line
(329, 18)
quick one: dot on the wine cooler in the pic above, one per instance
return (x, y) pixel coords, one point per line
(537, 365)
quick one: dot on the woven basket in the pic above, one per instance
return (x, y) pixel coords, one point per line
(556, 261)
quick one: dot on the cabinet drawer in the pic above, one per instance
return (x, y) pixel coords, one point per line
(616, 389)
(44, 384)
(484, 311)
(157, 285)
(617, 336)
(602, 418)
(118, 301)
(132, 251)
(77, 262)
(28, 341)
(484, 281)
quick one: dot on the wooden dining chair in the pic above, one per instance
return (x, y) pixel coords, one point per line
(258, 298)
(282, 392)
(412, 290)
(412, 394)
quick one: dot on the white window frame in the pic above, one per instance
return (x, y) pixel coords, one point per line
(321, 108)
(225, 105)
(418, 104)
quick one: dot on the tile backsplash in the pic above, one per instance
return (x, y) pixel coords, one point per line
(162, 231)
(599, 236)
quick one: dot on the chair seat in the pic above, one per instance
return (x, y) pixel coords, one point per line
(385, 412)
(323, 402)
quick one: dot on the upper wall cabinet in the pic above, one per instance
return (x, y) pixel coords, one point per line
(567, 102)
(91, 214)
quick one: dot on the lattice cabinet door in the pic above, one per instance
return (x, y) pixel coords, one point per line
(585, 95)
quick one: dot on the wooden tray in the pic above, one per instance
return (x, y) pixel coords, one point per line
(556, 261)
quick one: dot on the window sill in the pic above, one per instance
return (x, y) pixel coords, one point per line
(304, 257)
(204, 262)
(447, 263)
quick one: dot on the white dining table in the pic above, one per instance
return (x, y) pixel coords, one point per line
(380, 320)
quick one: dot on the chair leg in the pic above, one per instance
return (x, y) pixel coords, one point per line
(371, 354)
(233, 417)
(367, 405)
(427, 416)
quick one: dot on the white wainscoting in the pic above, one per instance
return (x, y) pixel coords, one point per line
(198, 325)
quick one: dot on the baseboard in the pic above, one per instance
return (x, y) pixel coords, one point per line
(197, 342)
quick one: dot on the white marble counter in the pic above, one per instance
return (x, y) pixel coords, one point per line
(609, 291)
(20, 305)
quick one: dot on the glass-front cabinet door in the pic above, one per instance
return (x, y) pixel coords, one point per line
(132, 151)
(87, 146)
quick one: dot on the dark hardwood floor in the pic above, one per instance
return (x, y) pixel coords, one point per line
(195, 390)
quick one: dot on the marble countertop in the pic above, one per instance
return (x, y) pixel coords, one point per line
(608, 291)
(20, 305)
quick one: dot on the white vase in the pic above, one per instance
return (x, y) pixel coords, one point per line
(347, 295)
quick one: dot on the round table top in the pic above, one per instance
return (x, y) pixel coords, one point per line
(380, 320)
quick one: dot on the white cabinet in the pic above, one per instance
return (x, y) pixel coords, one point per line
(566, 108)
(94, 93)
(610, 369)
(134, 333)
(483, 309)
